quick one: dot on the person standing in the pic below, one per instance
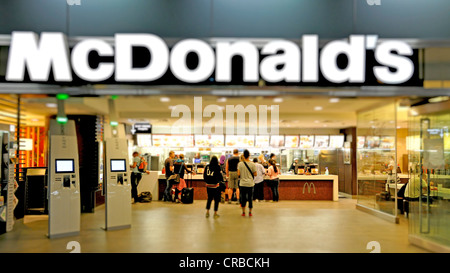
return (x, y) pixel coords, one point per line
(232, 175)
(222, 168)
(136, 175)
(274, 183)
(246, 173)
(259, 179)
(179, 167)
(213, 176)
(168, 166)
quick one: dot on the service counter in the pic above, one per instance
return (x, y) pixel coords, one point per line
(292, 187)
(149, 182)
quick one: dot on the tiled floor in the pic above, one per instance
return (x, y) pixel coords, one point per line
(287, 226)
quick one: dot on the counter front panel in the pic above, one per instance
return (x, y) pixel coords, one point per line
(291, 187)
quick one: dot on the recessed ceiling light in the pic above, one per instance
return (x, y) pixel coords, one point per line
(34, 119)
(51, 105)
(325, 125)
(438, 99)
(318, 108)
(334, 100)
(316, 121)
(221, 99)
(413, 113)
(164, 99)
(278, 100)
(399, 127)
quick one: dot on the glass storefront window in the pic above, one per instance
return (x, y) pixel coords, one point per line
(376, 158)
(428, 192)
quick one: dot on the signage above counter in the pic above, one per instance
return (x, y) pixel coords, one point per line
(147, 59)
(241, 141)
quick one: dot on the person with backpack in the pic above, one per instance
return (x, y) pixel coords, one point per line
(168, 167)
(180, 168)
(246, 172)
(138, 167)
(213, 177)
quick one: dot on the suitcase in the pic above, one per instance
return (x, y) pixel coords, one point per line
(187, 194)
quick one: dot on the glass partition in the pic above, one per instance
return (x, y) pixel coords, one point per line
(428, 192)
(376, 158)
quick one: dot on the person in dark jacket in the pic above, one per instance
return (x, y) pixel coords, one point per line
(179, 167)
(213, 176)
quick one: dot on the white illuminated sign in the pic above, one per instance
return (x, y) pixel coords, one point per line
(51, 53)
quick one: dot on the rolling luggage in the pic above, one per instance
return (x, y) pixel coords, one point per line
(187, 194)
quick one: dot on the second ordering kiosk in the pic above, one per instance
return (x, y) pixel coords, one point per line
(117, 181)
(64, 183)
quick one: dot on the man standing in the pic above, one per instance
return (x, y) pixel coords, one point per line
(232, 175)
(136, 175)
(168, 166)
(246, 172)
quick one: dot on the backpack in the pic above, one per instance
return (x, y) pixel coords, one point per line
(141, 167)
(145, 197)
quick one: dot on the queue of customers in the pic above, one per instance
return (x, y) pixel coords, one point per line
(237, 178)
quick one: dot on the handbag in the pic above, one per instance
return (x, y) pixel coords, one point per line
(175, 178)
(222, 186)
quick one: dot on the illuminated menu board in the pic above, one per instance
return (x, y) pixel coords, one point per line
(372, 142)
(144, 140)
(291, 142)
(240, 141)
(277, 141)
(173, 141)
(306, 142)
(387, 142)
(321, 141)
(209, 141)
(262, 141)
(361, 140)
(336, 141)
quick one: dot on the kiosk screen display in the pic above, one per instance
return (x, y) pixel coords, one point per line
(64, 166)
(118, 165)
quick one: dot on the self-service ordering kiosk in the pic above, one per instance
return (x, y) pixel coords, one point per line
(64, 184)
(117, 183)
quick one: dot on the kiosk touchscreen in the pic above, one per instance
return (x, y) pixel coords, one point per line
(64, 184)
(118, 183)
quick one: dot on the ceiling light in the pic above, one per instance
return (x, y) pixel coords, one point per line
(278, 100)
(221, 99)
(438, 99)
(51, 105)
(316, 121)
(164, 99)
(334, 100)
(34, 119)
(318, 108)
(413, 112)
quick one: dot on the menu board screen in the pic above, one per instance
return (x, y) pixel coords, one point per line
(144, 140)
(306, 142)
(173, 140)
(361, 140)
(321, 141)
(336, 141)
(262, 141)
(387, 142)
(277, 141)
(291, 142)
(372, 142)
(209, 141)
(240, 141)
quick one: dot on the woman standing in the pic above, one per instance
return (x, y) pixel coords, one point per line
(274, 174)
(213, 176)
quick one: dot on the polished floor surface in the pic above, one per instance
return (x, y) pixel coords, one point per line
(287, 226)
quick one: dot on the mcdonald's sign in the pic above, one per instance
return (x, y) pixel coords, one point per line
(309, 185)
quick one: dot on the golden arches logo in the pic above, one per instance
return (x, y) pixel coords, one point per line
(309, 185)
